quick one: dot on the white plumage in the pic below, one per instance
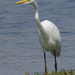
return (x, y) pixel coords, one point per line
(50, 39)
(49, 35)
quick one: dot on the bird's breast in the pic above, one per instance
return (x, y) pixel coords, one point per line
(46, 43)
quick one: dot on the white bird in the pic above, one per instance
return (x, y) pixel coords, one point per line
(49, 35)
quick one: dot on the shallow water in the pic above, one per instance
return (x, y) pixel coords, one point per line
(20, 50)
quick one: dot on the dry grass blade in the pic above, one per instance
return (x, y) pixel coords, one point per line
(26, 73)
(64, 72)
(71, 71)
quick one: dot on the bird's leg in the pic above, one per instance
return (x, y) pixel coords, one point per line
(55, 60)
(45, 63)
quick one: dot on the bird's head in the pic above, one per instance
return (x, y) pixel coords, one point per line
(26, 2)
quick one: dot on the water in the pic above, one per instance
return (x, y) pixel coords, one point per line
(20, 50)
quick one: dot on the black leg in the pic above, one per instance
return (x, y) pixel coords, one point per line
(55, 61)
(45, 62)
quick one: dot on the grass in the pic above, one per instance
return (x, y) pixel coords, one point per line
(63, 72)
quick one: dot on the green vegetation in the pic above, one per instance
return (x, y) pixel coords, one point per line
(63, 72)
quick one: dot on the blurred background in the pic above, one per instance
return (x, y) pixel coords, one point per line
(20, 50)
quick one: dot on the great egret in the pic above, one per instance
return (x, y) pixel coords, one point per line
(49, 35)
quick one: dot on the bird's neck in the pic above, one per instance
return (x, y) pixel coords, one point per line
(39, 25)
(37, 15)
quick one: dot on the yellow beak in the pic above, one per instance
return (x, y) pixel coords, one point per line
(21, 2)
